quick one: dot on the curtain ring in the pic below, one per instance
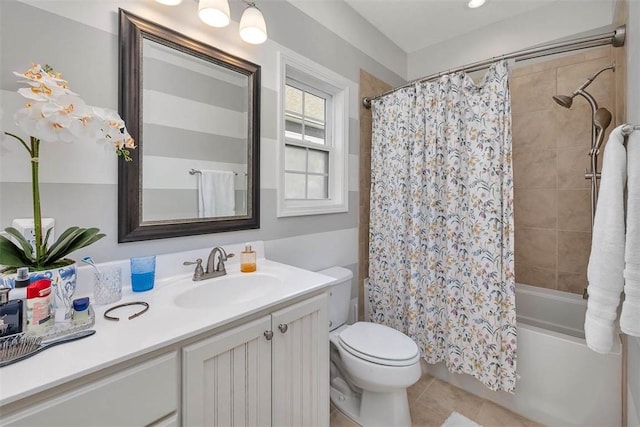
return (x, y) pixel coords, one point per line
(133, 316)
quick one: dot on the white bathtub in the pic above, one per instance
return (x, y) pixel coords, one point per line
(561, 382)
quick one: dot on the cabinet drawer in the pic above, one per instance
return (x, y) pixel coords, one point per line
(136, 396)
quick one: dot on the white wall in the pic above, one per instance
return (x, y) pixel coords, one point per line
(543, 25)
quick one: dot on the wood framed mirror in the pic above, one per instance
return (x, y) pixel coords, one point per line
(194, 112)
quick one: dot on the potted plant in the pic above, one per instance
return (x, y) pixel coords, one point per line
(54, 113)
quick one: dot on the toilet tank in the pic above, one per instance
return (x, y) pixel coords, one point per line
(339, 295)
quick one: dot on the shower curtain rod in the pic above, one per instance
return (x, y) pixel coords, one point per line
(615, 38)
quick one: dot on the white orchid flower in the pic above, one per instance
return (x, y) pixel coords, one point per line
(53, 131)
(55, 113)
(70, 112)
(27, 117)
(44, 85)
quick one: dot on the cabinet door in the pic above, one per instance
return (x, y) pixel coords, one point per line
(227, 378)
(301, 364)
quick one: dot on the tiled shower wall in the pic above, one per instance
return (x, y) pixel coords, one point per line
(550, 157)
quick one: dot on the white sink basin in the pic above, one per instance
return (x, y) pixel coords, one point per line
(228, 290)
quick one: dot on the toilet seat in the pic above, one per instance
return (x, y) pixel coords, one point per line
(379, 344)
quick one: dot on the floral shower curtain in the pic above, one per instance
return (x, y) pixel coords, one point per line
(441, 227)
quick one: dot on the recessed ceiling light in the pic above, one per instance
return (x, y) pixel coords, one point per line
(475, 3)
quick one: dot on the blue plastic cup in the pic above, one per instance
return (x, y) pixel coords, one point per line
(143, 272)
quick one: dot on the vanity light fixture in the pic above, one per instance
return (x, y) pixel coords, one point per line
(253, 29)
(216, 13)
(475, 3)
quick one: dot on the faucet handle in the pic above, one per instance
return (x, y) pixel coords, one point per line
(199, 271)
(224, 256)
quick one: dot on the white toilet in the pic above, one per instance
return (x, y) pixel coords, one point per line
(371, 365)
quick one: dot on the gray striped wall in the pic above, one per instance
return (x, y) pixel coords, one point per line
(79, 182)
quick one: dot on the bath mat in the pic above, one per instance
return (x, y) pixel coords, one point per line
(458, 420)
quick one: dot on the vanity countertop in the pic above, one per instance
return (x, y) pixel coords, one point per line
(165, 323)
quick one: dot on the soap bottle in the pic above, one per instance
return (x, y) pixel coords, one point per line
(13, 314)
(248, 259)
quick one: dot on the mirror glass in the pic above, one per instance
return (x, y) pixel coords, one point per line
(194, 113)
(195, 130)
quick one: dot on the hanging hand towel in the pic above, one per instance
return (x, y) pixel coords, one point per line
(216, 194)
(606, 262)
(630, 315)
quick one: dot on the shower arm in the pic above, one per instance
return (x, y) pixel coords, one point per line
(583, 86)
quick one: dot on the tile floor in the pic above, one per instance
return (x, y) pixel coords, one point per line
(431, 402)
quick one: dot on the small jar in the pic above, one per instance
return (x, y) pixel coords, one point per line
(81, 310)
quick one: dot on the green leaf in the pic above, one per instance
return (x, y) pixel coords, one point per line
(11, 255)
(87, 237)
(58, 247)
(46, 239)
(27, 249)
(21, 254)
(74, 240)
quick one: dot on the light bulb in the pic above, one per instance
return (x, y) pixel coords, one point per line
(214, 12)
(253, 29)
(170, 2)
(475, 3)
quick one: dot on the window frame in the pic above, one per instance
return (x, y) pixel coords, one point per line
(319, 81)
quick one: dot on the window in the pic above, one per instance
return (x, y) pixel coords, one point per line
(314, 140)
(307, 146)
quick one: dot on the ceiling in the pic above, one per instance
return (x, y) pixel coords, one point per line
(416, 24)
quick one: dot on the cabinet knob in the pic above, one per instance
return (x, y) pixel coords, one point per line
(283, 327)
(268, 335)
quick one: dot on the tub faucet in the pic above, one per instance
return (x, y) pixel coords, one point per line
(213, 269)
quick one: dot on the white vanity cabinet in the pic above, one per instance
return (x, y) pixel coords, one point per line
(260, 364)
(143, 394)
(271, 371)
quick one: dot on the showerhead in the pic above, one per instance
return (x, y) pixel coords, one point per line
(564, 100)
(602, 118)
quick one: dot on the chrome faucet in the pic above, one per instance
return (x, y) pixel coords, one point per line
(213, 269)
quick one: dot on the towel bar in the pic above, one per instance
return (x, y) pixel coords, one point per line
(195, 171)
(628, 129)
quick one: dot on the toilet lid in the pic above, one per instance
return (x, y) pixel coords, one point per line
(379, 344)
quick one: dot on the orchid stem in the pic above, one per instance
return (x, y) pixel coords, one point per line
(24, 144)
(35, 185)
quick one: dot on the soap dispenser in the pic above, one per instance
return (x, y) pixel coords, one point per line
(248, 259)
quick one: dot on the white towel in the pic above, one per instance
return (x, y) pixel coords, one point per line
(630, 315)
(216, 194)
(606, 262)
